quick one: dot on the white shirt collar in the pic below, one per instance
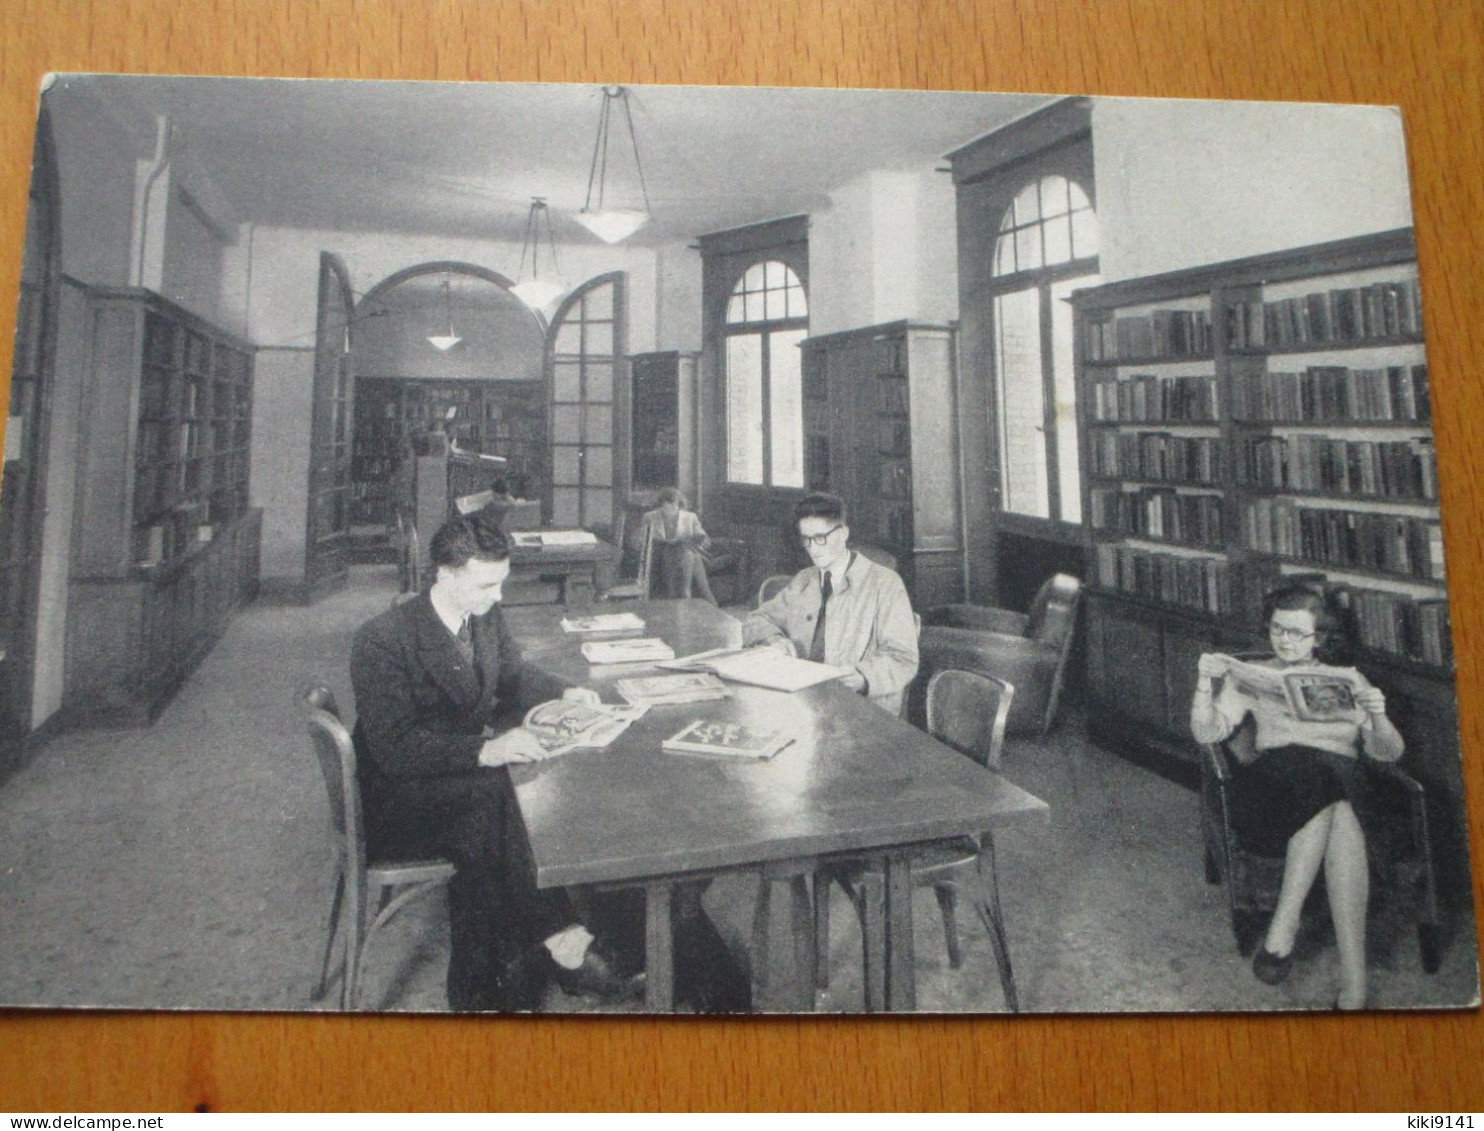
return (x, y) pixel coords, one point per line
(452, 620)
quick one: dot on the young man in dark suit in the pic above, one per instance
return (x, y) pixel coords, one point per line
(436, 727)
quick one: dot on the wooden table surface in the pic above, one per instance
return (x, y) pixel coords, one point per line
(1423, 55)
(854, 777)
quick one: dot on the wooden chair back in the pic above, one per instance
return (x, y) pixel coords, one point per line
(335, 752)
(967, 711)
(771, 587)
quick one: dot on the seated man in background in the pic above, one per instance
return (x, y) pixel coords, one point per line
(434, 688)
(844, 610)
(682, 564)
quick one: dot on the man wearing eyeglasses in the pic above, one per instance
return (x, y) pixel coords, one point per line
(844, 610)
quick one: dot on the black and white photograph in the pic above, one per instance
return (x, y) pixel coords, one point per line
(581, 549)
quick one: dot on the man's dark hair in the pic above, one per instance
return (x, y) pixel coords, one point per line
(820, 505)
(468, 536)
(671, 495)
(499, 485)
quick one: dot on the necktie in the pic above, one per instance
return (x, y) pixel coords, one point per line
(465, 638)
(816, 646)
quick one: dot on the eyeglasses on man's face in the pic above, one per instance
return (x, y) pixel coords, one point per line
(819, 539)
(1283, 632)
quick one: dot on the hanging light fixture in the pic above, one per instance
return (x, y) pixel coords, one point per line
(612, 224)
(536, 292)
(446, 342)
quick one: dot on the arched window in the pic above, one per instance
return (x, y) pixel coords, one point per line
(767, 316)
(1047, 247)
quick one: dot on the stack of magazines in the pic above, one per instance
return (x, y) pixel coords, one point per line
(640, 650)
(731, 742)
(655, 690)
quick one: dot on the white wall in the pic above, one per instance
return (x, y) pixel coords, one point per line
(677, 298)
(282, 384)
(885, 249)
(284, 266)
(95, 168)
(74, 355)
(1184, 183)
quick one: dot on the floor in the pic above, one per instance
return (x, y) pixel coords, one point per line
(188, 866)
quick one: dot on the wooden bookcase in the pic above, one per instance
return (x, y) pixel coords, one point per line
(880, 413)
(166, 547)
(1247, 421)
(504, 418)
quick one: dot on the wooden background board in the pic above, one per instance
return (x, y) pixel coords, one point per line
(1423, 55)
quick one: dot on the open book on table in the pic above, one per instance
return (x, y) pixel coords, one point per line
(539, 538)
(1309, 693)
(764, 667)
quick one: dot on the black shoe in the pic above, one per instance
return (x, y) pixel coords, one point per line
(1270, 968)
(596, 978)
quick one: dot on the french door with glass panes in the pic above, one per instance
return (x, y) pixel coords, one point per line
(586, 348)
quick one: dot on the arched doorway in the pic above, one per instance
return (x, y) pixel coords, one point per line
(483, 390)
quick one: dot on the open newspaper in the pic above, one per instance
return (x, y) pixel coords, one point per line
(1309, 693)
(763, 667)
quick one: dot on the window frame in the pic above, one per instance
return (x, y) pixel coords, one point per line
(763, 329)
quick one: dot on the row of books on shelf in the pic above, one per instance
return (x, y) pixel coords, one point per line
(1397, 544)
(1199, 583)
(1158, 512)
(180, 529)
(1334, 393)
(894, 526)
(1145, 398)
(1405, 469)
(1161, 333)
(1155, 455)
(1346, 314)
(1415, 627)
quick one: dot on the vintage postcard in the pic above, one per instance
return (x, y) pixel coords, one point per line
(342, 412)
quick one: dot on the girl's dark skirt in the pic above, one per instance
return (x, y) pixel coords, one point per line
(1286, 788)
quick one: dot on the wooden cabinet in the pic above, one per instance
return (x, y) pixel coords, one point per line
(880, 430)
(662, 426)
(165, 546)
(1246, 422)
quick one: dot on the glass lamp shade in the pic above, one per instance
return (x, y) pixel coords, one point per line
(538, 293)
(445, 342)
(612, 224)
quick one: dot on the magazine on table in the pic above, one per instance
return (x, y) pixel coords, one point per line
(604, 622)
(641, 650)
(683, 687)
(764, 667)
(706, 738)
(538, 538)
(561, 725)
(1309, 693)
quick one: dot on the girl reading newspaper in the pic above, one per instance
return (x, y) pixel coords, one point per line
(1313, 722)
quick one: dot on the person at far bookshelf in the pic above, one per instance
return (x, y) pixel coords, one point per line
(1297, 797)
(843, 610)
(687, 548)
(434, 681)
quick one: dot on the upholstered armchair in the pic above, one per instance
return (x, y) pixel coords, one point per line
(1027, 650)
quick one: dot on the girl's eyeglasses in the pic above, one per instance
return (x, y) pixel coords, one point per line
(1279, 632)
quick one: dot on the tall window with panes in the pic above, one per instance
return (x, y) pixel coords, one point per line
(767, 316)
(1047, 247)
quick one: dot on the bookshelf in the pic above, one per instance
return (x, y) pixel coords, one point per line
(1248, 421)
(167, 546)
(879, 416)
(504, 418)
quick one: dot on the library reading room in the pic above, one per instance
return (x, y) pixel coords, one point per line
(691, 550)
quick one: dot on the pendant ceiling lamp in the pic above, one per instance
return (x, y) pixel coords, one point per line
(446, 342)
(533, 290)
(612, 224)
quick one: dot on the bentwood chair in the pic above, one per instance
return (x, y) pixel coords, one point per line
(967, 711)
(637, 586)
(367, 892)
(771, 587)
(1393, 813)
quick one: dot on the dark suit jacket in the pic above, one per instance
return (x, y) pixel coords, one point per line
(421, 708)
